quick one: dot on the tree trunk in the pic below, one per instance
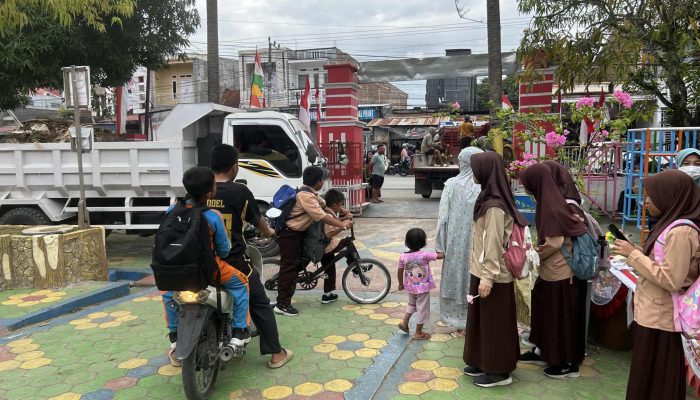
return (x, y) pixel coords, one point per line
(678, 114)
(493, 20)
(212, 51)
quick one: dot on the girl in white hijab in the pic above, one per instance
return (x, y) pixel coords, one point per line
(454, 238)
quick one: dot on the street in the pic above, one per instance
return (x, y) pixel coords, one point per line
(118, 349)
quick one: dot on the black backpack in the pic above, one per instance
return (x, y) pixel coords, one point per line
(315, 242)
(183, 258)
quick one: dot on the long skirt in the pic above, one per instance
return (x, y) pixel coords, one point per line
(657, 370)
(492, 329)
(558, 325)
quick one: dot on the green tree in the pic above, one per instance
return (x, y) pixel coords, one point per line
(16, 14)
(33, 56)
(510, 88)
(648, 45)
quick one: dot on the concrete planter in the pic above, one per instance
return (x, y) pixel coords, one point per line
(51, 260)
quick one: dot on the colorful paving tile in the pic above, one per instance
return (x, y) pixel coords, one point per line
(16, 303)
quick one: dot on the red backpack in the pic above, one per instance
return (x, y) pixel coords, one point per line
(520, 256)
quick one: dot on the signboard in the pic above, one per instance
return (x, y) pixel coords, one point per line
(367, 113)
(84, 89)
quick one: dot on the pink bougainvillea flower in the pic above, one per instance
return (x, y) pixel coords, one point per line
(623, 98)
(456, 105)
(585, 102)
(554, 139)
(528, 156)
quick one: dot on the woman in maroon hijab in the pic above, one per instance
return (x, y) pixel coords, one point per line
(657, 370)
(491, 346)
(558, 309)
(565, 183)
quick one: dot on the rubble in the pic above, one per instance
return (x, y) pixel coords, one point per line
(51, 131)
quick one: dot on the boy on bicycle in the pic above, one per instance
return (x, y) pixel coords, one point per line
(201, 186)
(309, 207)
(335, 200)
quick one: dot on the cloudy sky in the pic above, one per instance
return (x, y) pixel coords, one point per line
(368, 30)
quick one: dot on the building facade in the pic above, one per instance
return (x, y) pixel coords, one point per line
(440, 92)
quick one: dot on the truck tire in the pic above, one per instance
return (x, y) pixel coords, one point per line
(427, 195)
(24, 216)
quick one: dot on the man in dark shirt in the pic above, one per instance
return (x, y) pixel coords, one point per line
(237, 205)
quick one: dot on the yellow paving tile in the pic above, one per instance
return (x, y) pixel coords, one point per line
(81, 321)
(35, 363)
(133, 363)
(358, 337)
(111, 324)
(533, 367)
(369, 306)
(447, 373)
(19, 343)
(25, 348)
(588, 361)
(588, 372)
(443, 385)
(308, 389)
(393, 321)
(28, 303)
(97, 315)
(277, 392)
(56, 294)
(334, 339)
(12, 302)
(351, 307)
(126, 318)
(391, 304)
(140, 299)
(17, 296)
(425, 365)
(440, 337)
(169, 370)
(364, 311)
(414, 388)
(375, 343)
(378, 317)
(325, 348)
(9, 364)
(338, 385)
(341, 355)
(31, 355)
(367, 353)
(49, 300)
(66, 396)
(119, 313)
(90, 325)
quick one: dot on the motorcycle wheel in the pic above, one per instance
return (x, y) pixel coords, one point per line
(201, 367)
(403, 172)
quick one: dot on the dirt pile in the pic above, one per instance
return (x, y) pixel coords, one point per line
(52, 131)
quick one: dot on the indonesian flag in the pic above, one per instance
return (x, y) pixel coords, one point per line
(257, 85)
(505, 103)
(304, 115)
(317, 95)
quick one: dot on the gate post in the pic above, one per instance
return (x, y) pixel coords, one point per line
(533, 97)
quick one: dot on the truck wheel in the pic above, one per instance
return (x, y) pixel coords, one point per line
(427, 195)
(25, 216)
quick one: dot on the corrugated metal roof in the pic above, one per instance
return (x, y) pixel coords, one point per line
(408, 121)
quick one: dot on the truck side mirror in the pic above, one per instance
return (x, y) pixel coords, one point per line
(311, 153)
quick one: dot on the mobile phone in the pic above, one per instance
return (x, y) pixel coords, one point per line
(618, 233)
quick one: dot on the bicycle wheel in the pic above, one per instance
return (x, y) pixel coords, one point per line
(366, 281)
(268, 276)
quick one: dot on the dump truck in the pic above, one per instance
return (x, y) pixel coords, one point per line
(130, 184)
(433, 177)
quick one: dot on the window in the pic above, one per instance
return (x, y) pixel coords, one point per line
(139, 79)
(174, 89)
(269, 143)
(302, 82)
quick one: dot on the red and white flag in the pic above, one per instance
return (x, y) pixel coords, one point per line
(304, 115)
(317, 95)
(505, 103)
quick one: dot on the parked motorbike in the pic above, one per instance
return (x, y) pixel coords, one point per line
(204, 335)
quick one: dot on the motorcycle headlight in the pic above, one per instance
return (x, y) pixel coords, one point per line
(192, 297)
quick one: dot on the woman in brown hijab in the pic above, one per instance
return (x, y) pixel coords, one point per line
(491, 346)
(657, 370)
(565, 183)
(558, 309)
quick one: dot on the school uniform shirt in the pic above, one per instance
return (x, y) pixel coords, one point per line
(328, 229)
(491, 233)
(653, 306)
(417, 277)
(309, 208)
(553, 265)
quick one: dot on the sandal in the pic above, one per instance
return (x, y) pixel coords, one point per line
(421, 336)
(282, 362)
(404, 328)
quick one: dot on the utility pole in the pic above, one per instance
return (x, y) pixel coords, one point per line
(269, 71)
(83, 215)
(212, 51)
(147, 108)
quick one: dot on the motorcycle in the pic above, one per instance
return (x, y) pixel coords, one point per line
(204, 335)
(403, 168)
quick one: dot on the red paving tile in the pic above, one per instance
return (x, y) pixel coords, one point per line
(419, 376)
(121, 383)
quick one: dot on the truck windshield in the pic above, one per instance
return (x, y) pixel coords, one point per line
(269, 143)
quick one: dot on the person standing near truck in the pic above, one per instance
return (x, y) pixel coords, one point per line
(378, 167)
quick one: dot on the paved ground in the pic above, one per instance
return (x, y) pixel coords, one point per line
(118, 350)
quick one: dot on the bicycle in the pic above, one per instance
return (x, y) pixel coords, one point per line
(360, 274)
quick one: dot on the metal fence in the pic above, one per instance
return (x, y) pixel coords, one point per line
(345, 162)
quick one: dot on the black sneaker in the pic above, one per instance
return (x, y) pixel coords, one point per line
(491, 380)
(173, 337)
(531, 358)
(473, 371)
(329, 299)
(241, 337)
(286, 309)
(567, 371)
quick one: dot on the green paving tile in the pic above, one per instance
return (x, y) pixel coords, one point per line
(21, 393)
(53, 390)
(349, 373)
(132, 393)
(431, 355)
